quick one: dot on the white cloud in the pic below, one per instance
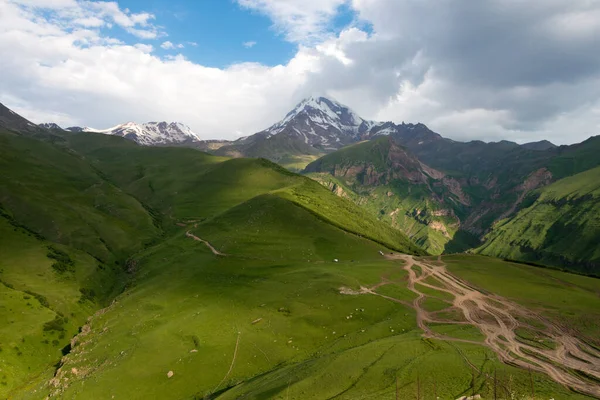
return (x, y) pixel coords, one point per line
(92, 14)
(455, 67)
(249, 45)
(51, 73)
(301, 21)
(170, 45)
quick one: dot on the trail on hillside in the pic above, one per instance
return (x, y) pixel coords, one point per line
(210, 246)
(568, 361)
(237, 343)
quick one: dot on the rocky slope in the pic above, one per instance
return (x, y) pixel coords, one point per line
(393, 184)
(445, 195)
(14, 122)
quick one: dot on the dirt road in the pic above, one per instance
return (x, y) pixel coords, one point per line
(564, 358)
(210, 246)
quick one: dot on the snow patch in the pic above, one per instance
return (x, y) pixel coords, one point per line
(151, 133)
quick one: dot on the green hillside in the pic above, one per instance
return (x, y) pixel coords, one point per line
(59, 196)
(289, 152)
(185, 184)
(291, 300)
(262, 322)
(558, 225)
(75, 210)
(392, 185)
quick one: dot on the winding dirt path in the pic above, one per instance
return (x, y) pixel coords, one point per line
(570, 361)
(210, 246)
(237, 343)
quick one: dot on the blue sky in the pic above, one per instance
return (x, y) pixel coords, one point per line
(220, 28)
(469, 70)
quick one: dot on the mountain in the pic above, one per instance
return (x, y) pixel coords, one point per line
(50, 125)
(75, 129)
(127, 269)
(557, 225)
(469, 188)
(317, 125)
(390, 182)
(14, 122)
(321, 123)
(541, 145)
(151, 133)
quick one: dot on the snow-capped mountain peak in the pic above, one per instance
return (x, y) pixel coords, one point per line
(321, 111)
(151, 133)
(49, 125)
(322, 123)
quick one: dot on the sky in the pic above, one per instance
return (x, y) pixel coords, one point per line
(521, 70)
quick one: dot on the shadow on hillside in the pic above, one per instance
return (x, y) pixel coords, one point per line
(461, 242)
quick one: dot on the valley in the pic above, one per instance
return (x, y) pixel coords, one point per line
(134, 271)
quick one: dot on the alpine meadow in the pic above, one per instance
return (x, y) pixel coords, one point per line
(273, 243)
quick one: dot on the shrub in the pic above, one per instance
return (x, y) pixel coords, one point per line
(42, 299)
(63, 262)
(59, 255)
(56, 324)
(61, 267)
(87, 294)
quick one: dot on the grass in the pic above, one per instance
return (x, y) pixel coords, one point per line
(297, 163)
(41, 308)
(569, 209)
(432, 304)
(304, 346)
(465, 332)
(266, 321)
(58, 196)
(438, 294)
(378, 175)
(398, 291)
(534, 338)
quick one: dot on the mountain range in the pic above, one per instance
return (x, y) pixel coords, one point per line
(445, 195)
(147, 134)
(160, 271)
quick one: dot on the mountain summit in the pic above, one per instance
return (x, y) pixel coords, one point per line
(316, 126)
(13, 121)
(151, 133)
(322, 123)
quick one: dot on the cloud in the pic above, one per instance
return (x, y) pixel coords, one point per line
(91, 14)
(492, 70)
(249, 45)
(300, 21)
(170, 46)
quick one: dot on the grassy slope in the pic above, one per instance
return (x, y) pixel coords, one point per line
(33, 294)
(185, 184)
(59, 196)
(574, 159)
(276, 296)
(51, 197)
(279, 148)
(394, 202)
(111, 209)
(282, 232)
(297, 163)
(560, 226)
